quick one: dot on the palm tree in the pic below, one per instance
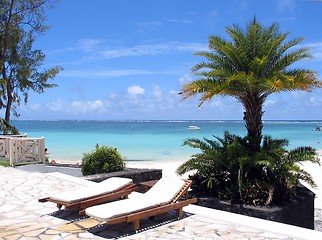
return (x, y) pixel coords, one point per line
(255, 64)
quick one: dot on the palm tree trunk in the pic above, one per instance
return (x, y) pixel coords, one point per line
(253, 105)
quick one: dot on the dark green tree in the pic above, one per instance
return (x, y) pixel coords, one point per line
(20, 65)
(253, 65)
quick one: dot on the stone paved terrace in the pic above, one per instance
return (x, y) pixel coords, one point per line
(23, 217)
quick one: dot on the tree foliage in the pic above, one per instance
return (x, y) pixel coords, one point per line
(5, 126)
(254, 64)
(20, 65)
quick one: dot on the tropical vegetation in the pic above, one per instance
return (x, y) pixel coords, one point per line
(255, 63)
(228, 169)
(103, 159)
(21, 65)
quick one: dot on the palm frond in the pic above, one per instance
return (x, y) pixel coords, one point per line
(196, 143)
(192, 164)
(306, 177)
(303, 154)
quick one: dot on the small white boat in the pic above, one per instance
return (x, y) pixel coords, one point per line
(193, 128)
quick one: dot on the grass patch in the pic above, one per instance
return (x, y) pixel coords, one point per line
(5, 163)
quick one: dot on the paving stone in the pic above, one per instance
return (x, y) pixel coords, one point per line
(34, 233)
(49, 237)
(88, 223)
(6, 233)
(52, 232)
(31, 227)
(70, 228)
(7, 208)
(14, 237)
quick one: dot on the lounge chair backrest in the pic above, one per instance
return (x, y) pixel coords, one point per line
(165, 190)
(115, 183)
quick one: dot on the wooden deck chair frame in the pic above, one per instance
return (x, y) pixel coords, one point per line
(177, 203)
(99, 199)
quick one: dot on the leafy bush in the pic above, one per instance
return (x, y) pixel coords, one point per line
(103, 160)
(227, 168)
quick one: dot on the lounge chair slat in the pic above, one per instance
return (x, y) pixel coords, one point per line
(110, 197)
(159, 210)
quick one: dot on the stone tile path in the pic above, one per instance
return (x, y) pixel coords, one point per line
(23, 217)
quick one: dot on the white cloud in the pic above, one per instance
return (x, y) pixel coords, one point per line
(154, 49)
(150, 25)
(285, 5)
(112, 96)
(135, 90)
(56, 106)
(89, 106)
(104, 73)
(60, 51)
(316, 49)
(96, 50)
(173, 92)
(268, 103)
(298, 95)
(157, 93)
(315, 101)
(177, 20)
(89, 45)
(185, 79)
(216, 103)
(35, 107)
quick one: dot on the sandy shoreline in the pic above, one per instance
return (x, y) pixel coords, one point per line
(168, 167)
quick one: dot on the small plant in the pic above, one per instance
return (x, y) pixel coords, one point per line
(103, 160)
(228, 169)
(5, 163)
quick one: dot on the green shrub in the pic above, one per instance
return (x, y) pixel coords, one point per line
(5, 163)
(103, 160)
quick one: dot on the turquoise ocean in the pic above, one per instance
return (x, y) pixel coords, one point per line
(152, 140)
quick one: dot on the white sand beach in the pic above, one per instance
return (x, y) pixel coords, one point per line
(316, 171)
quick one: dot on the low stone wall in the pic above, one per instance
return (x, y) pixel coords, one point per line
(136, 174)
(299, 212)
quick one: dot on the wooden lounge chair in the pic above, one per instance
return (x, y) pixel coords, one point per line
(166, 195)
(111, 189)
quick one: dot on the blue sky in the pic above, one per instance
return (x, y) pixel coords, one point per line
(128, 59)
